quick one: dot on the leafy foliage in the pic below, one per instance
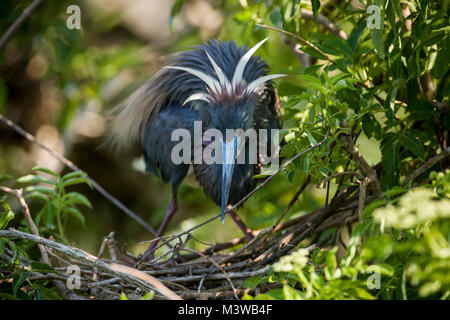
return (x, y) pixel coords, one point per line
(59, 204)
(405, 245)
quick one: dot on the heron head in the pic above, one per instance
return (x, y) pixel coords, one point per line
(231, 107)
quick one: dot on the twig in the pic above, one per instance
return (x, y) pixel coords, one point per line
(427, 165)
(324, 21)
(73, 167)
(344, 173)
(250, 244)
(218, 266)
(16, 25)
(219, 276)
(368, 171)
(100, 253)
(18, 193)
(304, 41)
(293, 200)
(362, 194)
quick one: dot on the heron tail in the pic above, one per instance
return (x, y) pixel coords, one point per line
(129, 118)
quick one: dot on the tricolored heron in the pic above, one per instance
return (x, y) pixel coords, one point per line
(222, 86)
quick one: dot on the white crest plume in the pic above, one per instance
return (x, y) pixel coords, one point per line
(224, 84)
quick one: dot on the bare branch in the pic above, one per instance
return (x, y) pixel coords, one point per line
(16, 25)
(427, 165)
(73, 167)
(303, 41)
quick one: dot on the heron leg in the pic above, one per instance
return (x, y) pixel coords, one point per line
(247, 232)
(170, 211)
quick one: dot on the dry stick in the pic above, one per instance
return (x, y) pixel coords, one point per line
(217, 265)
(368, 171)
(16, 25)
(306, 42)
(344, 173)
(260, 235)
(324, 21)
(263, 234)
(343, 219)
(100, 253)
(262, 184)
(18, 193)
(362, 194)
(299, 232)
(287, 224)
(218, 276)
(293, 200)
(73, 167)
(126, 273)
(427, 165)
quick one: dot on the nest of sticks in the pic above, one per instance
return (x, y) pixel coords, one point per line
(185, 273)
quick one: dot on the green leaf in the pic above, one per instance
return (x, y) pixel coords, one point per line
(397, 8)
(390, 160)
(41, 189)
(77, 198)
(354, 241)
(315, 7)
(311, 139)
(76, 214)
(377, 34)
(74, 181)
(266, 171)
(148, 296)
(394, 191)
(331, 263)
(37, 195)
(73, 175)
(48, 213)
(18, 280)
(367, 212)
(312, 82)
(244, 17)
(176, 8)
(276, 18)
(47, 171)
(6, 215)
(4, 177)
(313, 52)
(412, 145)
(254, 281)
(42, 267)
(35, 179)
(337, 47)
(356, 33)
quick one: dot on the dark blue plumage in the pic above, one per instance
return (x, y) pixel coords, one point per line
(179, 85)
(217, 83)
(157, 145)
